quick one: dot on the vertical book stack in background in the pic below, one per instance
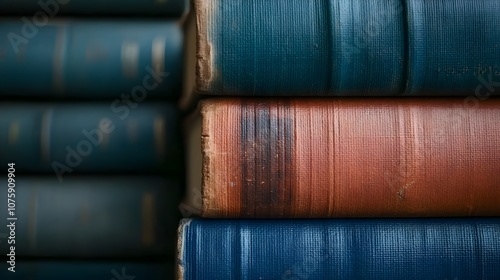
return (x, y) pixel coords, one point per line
(89, 122)
(355, 139)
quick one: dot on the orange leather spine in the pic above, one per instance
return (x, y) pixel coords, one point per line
(319, 158)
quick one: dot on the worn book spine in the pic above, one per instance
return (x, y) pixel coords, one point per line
(91, 59)
(318, 158)
(339, 249)
(90, 217)
(52, 8)
(64, 138)
(348, 47)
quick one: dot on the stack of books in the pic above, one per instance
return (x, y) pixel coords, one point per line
(355, 139)
(90, 145)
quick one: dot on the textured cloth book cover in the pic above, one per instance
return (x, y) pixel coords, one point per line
(348, 47)
(320, 157)
(339, 249)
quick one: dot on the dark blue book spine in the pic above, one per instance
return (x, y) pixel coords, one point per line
(90, 59)
(52, 8)
(67, 139)
(80, 270)
(349, 47)
(91, 217)
(340, 249)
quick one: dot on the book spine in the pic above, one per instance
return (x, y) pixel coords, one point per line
(340, 249)
(97, 137)
(84, 270)
(52, 8)
(317, 158)
(92, 217)
(348, 48)
(91, 59)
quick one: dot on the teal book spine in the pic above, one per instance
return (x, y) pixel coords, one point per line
(349, 47)
(87, 270)
(114, 137)
(90, 59)
(53, 8)
(90, 217)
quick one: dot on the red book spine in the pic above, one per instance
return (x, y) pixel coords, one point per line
(318, 158)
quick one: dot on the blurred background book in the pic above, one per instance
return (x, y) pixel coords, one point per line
(90, 116)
